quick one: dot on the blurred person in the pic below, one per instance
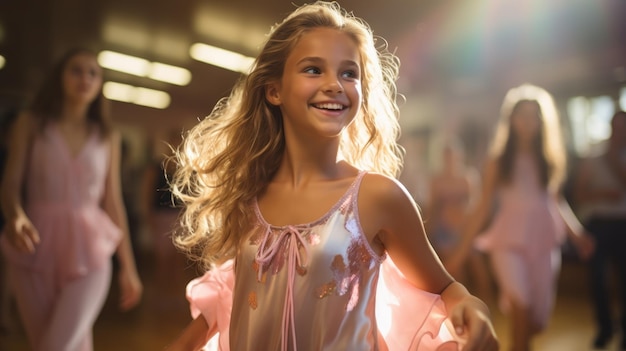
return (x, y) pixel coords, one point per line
(522, 181)
(6, 323)
(600, 195)
(64, 214)
(453, 190)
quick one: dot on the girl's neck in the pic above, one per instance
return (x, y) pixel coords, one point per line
(302, 163)
(73, 114)
(299, 172)
(524, 147)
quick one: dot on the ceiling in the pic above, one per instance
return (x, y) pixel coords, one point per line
(446, 47)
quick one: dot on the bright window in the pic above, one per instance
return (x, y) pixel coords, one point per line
(590, 119)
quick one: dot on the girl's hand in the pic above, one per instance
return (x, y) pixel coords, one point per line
(131, 288)
(22, 234)
(471, 322)
(585, 245)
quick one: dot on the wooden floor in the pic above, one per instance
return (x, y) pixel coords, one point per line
(164, 312)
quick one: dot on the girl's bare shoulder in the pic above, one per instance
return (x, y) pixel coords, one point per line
(381, 194)
(381, 187)
(385, 207)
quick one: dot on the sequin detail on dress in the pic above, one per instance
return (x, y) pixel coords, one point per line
(346, 276)
(252, 300)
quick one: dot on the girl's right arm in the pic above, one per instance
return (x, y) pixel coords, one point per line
(19, 230)
(391, 218)
(478, 216)
(193, 337)
(432, 208)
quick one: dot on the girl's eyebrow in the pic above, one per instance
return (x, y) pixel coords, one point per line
(310, 59)
(318, 60)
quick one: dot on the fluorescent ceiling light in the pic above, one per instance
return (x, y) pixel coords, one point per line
(144, 68)
(136, 95)
(221, 57)
(151, 98)
(170, 74)
(124, 63)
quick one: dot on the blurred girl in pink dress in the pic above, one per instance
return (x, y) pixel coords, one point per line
(522, 181)
(290, 193)
(62, 202)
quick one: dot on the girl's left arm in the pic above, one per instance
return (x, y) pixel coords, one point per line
(577, 233)
(387, 210)
(130, 284)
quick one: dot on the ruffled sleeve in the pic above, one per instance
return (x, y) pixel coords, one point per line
(211, 296)
(409, 318)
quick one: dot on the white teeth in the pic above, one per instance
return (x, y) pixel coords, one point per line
(330, 106)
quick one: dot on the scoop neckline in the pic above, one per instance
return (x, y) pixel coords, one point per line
(314, 222)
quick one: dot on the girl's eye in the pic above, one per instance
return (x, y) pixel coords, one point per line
(312, 70)
(350, 74)
(74, 70)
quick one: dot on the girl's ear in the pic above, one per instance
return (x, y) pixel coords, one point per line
(272, 95)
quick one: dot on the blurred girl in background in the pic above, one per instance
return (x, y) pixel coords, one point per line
(522, 182)
(62, 202)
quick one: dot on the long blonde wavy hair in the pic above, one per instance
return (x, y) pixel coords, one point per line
(548, 146)
(232, 154)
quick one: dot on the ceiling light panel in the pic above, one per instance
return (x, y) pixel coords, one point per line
(136, 95)
(222, 58)
(143, 68)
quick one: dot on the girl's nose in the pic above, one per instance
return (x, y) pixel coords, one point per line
(333, 86)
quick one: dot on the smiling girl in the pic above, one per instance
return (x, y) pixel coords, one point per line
(290, 195)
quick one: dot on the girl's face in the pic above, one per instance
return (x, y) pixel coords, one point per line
(526, 120)
(452, 157)
(82, 78)
(320, 91)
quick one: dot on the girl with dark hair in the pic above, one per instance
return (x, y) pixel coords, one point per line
(61, 198)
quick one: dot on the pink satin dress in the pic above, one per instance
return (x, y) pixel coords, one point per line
(527, 218)
(317, 286)
(524, 241)
(62, 198)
